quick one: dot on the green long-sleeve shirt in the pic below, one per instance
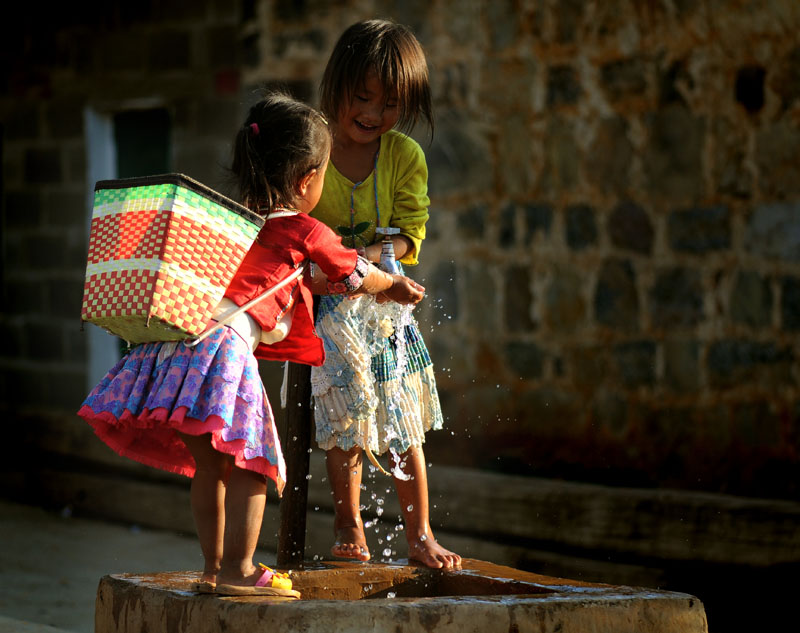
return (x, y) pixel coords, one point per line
(402, 196)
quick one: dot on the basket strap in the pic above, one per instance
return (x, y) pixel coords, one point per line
(227, 318)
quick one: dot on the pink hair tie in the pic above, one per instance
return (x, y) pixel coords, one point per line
(254, 127)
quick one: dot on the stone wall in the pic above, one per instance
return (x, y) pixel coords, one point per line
(613, 255)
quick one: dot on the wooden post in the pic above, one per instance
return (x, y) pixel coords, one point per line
(292, 533)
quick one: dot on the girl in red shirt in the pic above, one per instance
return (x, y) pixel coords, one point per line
(202, 411)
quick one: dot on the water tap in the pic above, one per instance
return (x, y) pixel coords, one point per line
(388, 262)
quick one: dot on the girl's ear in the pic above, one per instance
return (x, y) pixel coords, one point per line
(305, 182)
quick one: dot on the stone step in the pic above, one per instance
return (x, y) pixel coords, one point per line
(366, 598)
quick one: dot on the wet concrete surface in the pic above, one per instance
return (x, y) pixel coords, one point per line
(51, 565)
(364, 598)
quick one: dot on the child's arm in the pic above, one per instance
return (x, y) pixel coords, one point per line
(402, 246)
(396, 288)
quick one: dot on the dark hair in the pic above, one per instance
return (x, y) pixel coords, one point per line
(282, 139)
(394, 53)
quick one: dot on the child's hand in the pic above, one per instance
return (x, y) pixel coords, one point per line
(404, 291)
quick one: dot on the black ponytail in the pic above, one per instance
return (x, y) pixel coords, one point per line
(282, 139)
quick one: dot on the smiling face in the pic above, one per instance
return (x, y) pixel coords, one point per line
(370, 113)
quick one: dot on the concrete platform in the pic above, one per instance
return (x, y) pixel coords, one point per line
(387, 597)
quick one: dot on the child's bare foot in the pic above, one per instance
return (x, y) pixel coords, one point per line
(427, 551)
(351, 543)
(240, 578)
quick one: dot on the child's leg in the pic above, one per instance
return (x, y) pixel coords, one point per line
(244, 511)
(413, 497)
(208, 499)
(344, 473)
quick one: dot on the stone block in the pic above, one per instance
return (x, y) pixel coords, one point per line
(169, 49)
(562, 157)
(43, 165)
(699, 230)
(222, 50)
(122, 52)
(551, 412)
(616, 299)
(773, 231)
(734, 362)
(610, 411)
(65, 297)
(565, 308)
(23, 210)
(731, 172)
(525, 360)
(785, 78)
(503, 22)
(482, 311)
(66, 209)
(24, 297)
(22, 123)
(580, 226)
(790, 303)
(507, 231)
(26, 387)
(11, 338)
(538, 218)
(590, 367)
(218, 117)
(471, 221)
(563, 86)
(676, 299)
(516, 166)
(629, 228)
(507, 87)
(76, 165)
(636, 362)
(518, 300)
(756, 426)
(49, 252)
(775, 156)
(67, 389)
(624, 78)
(568, 15)
(609, 160)
(64, 118)
(443, 286)
(681, 365)
(459, 157)
(251, 53)
(673, 160)
(751, 300)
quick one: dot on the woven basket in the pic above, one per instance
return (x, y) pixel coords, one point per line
(162, 251)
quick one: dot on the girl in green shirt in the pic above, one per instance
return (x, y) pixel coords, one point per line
(375, 80)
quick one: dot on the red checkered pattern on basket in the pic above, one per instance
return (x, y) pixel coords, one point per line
(118, 293)
(208, 253)
(136, 234)
(182, 305)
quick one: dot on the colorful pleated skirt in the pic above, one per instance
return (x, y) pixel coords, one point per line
(160, 389)
(377, 386)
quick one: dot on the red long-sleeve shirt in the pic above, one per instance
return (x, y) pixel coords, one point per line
(283, 244)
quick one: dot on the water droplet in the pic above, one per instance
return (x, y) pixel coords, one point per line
(387, 552)
(391, 594)
(410, 507)
(423, 538)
